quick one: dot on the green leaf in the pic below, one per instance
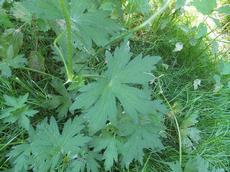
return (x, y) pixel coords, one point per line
(36, 61)
(17, 111)
(87, 21)
(204, 7)
(175, 166)
(198, 164)
(11, 63)
(49, 147)
(10, 37)
(139, 6)
(88, 24)
(140, 136)
(20, 11)
(98, 99)
(11, 41)
(218, 85)
(87, 163)
(224, 68)
(224, 9)
(201, 30)
(60, 102)
(22, 158)
(189, 133)
(180, 3)
(4, 20)
(110, 144)
(50, 10)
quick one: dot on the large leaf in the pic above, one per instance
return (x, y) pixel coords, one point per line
(140, 136)
(48, 147)
(89, 24)
(98, 99)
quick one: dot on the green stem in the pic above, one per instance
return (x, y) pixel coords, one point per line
(139, 27)
(38, 71)
(60, 53)
(66, 14)
(177, 126)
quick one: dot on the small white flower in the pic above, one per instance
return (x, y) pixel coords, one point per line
(196, 83)
(178, 47)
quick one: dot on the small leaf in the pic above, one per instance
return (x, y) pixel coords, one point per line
(224, 9)
(36, 61)
(21, 12)
(139, 6)
(189, 133)
(10, 52)
(218, 85)
(180, 3)
(17, 111)
(4, 20)
(224, 68)
(205, 7)
(175, 166)
(201, 30)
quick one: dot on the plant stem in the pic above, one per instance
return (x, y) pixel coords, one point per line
(139, 27)
(66, 14)
(177, 125)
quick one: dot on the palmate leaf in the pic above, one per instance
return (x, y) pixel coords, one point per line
(125, 141)
(93, 25)
(111, 145)
(140, 136)
(197, 164)
(88, 163)
(21, 154)
(10, 43)
(6, 65)
(48, 147)
(98, 99)
(17, 111)
(60, 102)
(49, 152)
(89, 24)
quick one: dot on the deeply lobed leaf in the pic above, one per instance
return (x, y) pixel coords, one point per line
(99, 99)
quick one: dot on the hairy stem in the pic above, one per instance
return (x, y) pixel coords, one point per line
(66, 14)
